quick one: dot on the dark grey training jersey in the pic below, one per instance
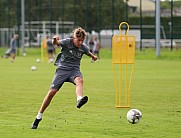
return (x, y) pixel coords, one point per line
(70, 56)
(13, 44)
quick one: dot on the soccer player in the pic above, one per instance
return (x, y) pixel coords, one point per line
(12, 50)
(50, 49)
(68, 62)
(13, 47)
(96, 47)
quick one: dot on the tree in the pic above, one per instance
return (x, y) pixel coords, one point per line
(90, 14)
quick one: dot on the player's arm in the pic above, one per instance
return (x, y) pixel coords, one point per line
(92, 56)
(56, 40)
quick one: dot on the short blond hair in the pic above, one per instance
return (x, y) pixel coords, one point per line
(79, 33)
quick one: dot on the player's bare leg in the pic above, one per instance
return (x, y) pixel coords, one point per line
(47, 100)
(44, 105)
(79, 92)
(13, 57)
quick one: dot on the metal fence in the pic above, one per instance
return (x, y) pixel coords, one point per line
(96, 16)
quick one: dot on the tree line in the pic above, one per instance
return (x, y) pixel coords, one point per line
(90, 14)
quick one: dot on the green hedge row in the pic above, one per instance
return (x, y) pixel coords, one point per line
(149, 33)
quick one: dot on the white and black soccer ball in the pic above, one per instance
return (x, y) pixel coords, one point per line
(38, 60)
(134, 116)
(33, 68)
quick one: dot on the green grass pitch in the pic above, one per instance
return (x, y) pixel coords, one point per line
(155, 91)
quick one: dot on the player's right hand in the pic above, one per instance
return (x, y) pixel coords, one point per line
(55, 40)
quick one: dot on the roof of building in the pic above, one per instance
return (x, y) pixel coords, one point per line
(147, 5)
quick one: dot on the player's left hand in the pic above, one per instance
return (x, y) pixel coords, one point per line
(94, 58)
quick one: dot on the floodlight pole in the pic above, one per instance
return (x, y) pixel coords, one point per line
(141, 25)
(23, 25)
(171, 25)
(157, 28)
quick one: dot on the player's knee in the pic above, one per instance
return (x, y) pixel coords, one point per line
(79, 81)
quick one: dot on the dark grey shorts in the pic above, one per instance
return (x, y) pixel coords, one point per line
(13, 51)
(62, 76)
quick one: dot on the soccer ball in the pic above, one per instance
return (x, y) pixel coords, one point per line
(134, 116)
(24, 54)
(38, 60)
(33, 68)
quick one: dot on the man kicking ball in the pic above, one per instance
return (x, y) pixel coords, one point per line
(68, 69)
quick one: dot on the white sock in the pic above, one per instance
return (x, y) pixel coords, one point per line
(79, 97)
(39, 115)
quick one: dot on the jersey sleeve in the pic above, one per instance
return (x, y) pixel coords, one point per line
(86, 49)
(64, 42)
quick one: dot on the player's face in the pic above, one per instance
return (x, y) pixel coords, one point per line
(77, 41)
